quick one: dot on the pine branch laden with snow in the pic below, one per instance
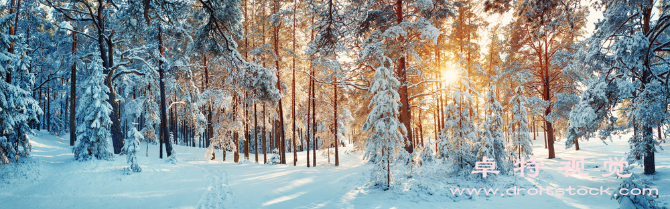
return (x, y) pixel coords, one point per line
(217, 37)
(93, 131)
(386, 143)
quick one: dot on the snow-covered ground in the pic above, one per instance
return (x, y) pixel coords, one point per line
(50, 178)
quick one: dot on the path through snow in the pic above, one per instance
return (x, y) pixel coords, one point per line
(218, 193)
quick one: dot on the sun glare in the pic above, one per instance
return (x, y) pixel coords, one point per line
(450, 76)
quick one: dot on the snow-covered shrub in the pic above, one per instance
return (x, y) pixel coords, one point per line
(423, 155)
(3, 157)
(274, 158)
(131, 147)
(173, 157)
(631, 201)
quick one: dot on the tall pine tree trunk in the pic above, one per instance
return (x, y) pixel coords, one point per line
(247, 137)
(161, 71)
(210, 125)
(405, 115)
(117, 135)
(310, 133)
(337, 144)
(236, 135)
(420, 127)
(73, 92)
(15, 7)
(295, 153)
(309, 109)
(280, 107)
(265, 139)
(315, 142)
(255, 133)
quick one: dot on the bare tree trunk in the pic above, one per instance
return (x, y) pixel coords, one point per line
(15, 8)
(265, 139)
(247, 137)
(534, 128)
(388, 169)
(161, 71)
(210, 125)
(337, 144)
(436, 129)
(48, 121)
(405, 115)
(545, 136)
(315, 142)
(281, 107)
(295, 153)
(73, 93)
(236, 134)
(255, 133)
(117, 136)
(420, 127)
(309, 106)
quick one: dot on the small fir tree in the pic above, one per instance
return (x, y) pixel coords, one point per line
(93, 131)
(520, 141)
(386, 141)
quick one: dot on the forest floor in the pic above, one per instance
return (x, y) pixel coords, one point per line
(50, 178)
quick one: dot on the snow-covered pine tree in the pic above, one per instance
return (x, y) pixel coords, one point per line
(459, 132)
(131, 147)
(625, 63)
(386, 142)
(493, 144)
(518, 125)
(93, 131)
(17, 106)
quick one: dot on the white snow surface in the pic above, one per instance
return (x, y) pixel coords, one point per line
(51, 178)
